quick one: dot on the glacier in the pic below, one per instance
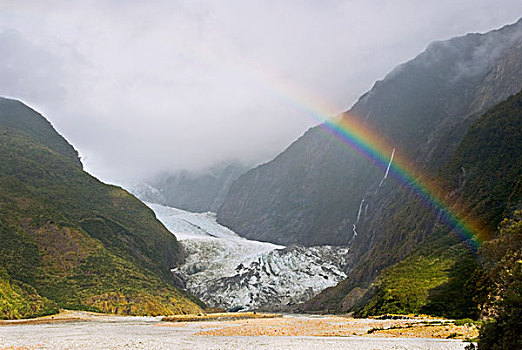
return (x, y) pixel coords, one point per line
(226, 270)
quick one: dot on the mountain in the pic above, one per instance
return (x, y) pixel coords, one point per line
(17, 116)
(199, 191)
(484, 179)
(71, 241)
(320, 191)
(311, 193)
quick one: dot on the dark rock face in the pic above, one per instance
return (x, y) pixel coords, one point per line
(483, 179)
(304, 196)
(312, 192)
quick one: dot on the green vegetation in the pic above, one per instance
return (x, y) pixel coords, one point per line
(485, 172)
(435, 282)
(404, 288)
(422, 267)
(503, 288)
(17, 116)
(19, 300)
(68, 240)
(466, 321)
(482, 179)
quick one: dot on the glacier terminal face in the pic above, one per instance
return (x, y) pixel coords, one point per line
(226, 270)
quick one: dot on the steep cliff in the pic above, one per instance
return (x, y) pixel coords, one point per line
(320, 191)
(483, 178)
(311, 193)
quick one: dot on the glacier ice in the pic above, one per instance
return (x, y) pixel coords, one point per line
(226, 270)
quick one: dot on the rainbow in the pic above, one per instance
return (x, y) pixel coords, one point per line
(354, 133)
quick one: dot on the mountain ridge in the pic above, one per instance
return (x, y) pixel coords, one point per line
(32, 123)
(488, 188)
(320, 188)
(290, 194)
(70, 240)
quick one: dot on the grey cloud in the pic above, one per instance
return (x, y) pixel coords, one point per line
(28, 71)
(143, 87)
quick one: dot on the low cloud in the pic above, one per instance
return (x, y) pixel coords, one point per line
(144, 87)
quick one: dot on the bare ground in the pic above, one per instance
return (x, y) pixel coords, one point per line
(82, 330)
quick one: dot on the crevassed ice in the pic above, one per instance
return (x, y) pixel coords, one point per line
(226, 270)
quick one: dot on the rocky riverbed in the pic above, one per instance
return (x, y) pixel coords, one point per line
(79, 330)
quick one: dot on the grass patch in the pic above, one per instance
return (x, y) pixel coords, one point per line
(219, 317)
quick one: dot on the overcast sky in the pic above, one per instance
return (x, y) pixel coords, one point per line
(140, 87)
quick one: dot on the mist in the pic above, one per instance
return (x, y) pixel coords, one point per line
(141, 88)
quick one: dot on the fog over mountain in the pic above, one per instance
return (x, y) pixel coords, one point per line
(142, 89)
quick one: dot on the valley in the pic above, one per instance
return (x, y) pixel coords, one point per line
(196, 210)
(81, 330)
(226, 270)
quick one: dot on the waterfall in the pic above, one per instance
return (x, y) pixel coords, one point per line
(387, 168)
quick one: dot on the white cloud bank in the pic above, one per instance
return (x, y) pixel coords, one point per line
(145, 86)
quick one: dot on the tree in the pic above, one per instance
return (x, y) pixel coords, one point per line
(504, 300)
